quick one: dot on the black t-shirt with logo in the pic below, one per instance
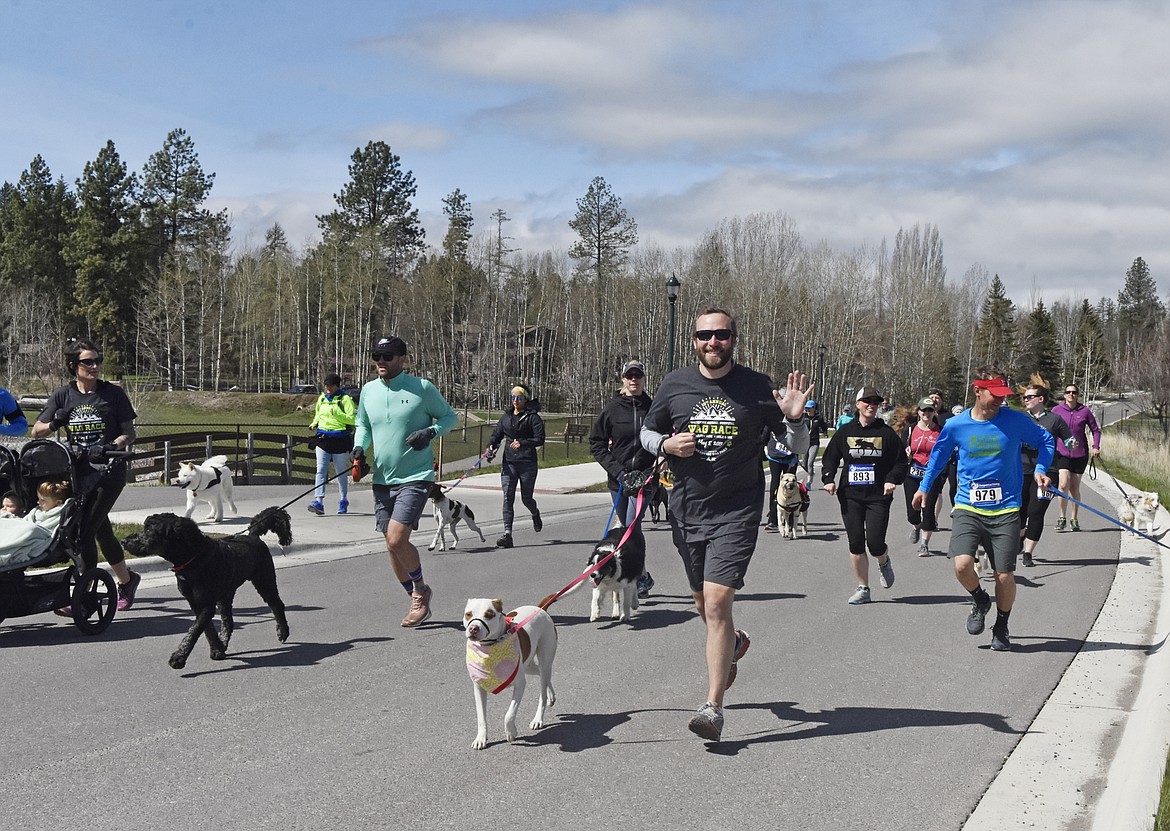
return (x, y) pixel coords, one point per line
(730, 416)
(94, 418)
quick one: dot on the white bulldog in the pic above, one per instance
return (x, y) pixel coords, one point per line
(501, 651)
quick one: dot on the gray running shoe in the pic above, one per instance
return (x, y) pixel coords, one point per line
(886, 572)
(924, 550)
(1074, 525)
(976, 620)
(1060, 523)
(707, 722)
(860, 596)
(1000, 641)
(914, 534)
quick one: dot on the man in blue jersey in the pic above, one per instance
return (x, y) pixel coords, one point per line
(399, 414)
(12, 419)
(988, 438)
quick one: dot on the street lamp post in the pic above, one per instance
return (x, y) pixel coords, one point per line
(821, 372)
(672, 286)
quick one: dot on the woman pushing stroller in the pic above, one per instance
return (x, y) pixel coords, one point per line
(96, 415)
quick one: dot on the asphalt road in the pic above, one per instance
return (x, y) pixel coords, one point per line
(887, 715)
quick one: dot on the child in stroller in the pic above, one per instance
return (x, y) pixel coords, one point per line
(10, 505)
(22, 542)
(34, 584)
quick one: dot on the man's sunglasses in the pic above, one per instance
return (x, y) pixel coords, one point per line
(718, 334)
(384, 356)
(872, 401)
(90, 362)
(1029, 397)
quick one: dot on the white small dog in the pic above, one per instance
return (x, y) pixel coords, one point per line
(500, 654)
(1139, 508)
(210, 482)
(448, 514)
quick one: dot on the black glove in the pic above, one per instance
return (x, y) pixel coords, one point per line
(360, 466)
(60, 419)
(489, 454)
(633, 481)
(97, 453)
(419, 439)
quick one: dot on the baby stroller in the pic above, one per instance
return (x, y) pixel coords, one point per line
(36, 586)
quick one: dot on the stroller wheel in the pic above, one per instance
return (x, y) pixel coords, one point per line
(94, 601)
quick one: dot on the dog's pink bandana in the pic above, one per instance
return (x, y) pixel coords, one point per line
(493, 666)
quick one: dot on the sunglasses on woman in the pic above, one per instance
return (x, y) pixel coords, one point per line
(90, 362)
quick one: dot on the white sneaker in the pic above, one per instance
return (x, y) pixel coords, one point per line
(860, 596)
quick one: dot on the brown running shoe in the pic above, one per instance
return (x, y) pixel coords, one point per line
(420, 607)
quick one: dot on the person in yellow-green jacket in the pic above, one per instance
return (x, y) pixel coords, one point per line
(333, 419)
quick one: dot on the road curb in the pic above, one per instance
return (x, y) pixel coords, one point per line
(1110, 704)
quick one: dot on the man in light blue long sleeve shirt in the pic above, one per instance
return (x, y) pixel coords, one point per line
(399, 415)
(987, 507)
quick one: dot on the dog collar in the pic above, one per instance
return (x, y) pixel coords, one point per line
(177, 569)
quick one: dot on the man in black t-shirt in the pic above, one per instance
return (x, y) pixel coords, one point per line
(709, 420)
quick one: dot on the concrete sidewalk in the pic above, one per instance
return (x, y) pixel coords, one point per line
(1093, 757)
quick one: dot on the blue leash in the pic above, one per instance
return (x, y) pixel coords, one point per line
(1115, 521)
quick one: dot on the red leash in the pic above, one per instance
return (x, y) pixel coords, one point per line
(552, 598)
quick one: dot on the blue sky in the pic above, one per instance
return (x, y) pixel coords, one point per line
(1033, 133)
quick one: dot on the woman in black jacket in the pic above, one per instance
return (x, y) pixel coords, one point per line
(524, 430)
(615, 445)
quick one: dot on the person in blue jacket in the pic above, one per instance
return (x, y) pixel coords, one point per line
(12, 418)
(989, 438)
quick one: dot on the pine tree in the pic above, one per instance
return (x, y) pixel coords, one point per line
(605, 231)
(375, 204)
(1040, 349)
(605, 235)
(996, 334)
(1139, 311)
(36, 217)
(174, 188)
(1090, 366)
(104, 245)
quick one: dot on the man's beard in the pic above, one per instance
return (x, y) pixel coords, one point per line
(714, 360)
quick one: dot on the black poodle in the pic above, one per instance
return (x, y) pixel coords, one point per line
(209, 570)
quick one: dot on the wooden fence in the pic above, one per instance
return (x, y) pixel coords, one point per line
(257, 456)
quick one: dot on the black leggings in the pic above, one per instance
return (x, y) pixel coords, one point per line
(1032, 510)
(866, 523)
(96, 529)
(923, 520)
(524, 474)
